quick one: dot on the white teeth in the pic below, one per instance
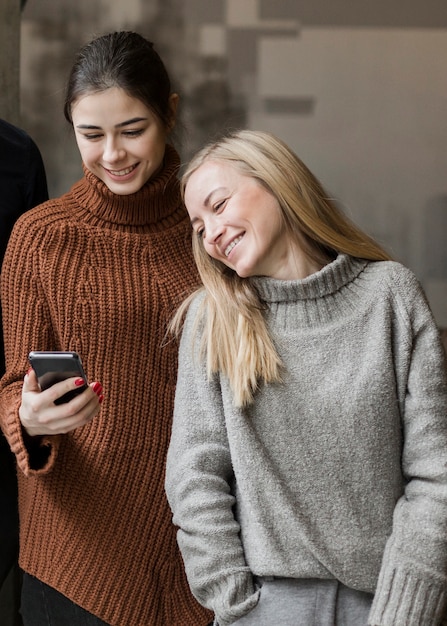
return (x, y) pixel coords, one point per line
(230, 247)
(122, 172)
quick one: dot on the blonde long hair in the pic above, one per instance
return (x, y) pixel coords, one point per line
(235, 339)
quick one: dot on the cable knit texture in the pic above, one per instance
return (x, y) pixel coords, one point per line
(340, 472)
(102, 274)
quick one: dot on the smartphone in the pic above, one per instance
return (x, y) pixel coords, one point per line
(53, 367)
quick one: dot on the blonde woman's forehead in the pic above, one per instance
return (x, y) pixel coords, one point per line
(211, 177)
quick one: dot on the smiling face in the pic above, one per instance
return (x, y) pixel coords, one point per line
(240, 223)
(120, 139)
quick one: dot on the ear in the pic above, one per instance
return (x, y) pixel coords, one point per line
(173, 104)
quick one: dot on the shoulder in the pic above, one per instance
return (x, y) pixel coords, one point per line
(194, 306)
(395, 276)
(193, 312)
(17, 141)
(13, 136)
(400, 285)
(392, 271)
(40, 219)
(197, 301)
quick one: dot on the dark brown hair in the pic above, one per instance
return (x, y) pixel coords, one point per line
(121, 59)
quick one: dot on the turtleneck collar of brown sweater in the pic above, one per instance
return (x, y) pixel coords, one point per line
(156, 206)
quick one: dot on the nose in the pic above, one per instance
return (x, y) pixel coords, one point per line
(113, 151)
(213, 230)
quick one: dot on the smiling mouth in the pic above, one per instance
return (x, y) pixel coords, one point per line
(128, 170)
(230, 246)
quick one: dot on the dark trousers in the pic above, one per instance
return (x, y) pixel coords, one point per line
(10, 576)
(10, 598)
(44, 606)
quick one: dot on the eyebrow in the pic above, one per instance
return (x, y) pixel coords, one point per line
(206, 202)
(134, 120)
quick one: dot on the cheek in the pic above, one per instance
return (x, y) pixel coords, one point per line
(89, 153)
(209, 249)
(212, 251)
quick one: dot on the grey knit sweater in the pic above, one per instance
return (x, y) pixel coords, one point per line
(338, 473)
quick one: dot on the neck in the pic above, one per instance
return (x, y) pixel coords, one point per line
(299, 264)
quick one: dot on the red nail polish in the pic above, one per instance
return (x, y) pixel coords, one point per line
(79, 382)
(100, 398)
(97, 388)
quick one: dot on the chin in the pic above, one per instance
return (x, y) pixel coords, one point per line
(244, 273)
(124, 190)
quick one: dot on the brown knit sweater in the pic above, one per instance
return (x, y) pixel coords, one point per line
(101, 274)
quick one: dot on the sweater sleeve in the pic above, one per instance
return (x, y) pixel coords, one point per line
(412, 584)
(26, 326)
(198, 485)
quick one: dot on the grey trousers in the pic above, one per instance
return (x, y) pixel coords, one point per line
(295, 602)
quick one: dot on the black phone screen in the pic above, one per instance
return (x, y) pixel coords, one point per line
(53, 367)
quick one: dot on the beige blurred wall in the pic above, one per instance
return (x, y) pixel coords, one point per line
(357, 89)
(9, 60)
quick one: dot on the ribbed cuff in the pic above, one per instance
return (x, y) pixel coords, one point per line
(402, 598)
(35, 455)
(232, 598)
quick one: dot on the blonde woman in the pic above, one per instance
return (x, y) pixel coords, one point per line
(307, 465)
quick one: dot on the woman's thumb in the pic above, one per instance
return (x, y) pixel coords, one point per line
(30, 381)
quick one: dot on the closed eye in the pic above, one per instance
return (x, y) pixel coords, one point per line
(133, 133)
(219, 205)
(91, 136)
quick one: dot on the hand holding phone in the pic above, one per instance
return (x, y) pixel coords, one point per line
(42, 412)
(53, 367)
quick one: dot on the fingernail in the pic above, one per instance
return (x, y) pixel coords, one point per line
(29, 371)
(100, 398)
(97, 388)
(79, 382)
